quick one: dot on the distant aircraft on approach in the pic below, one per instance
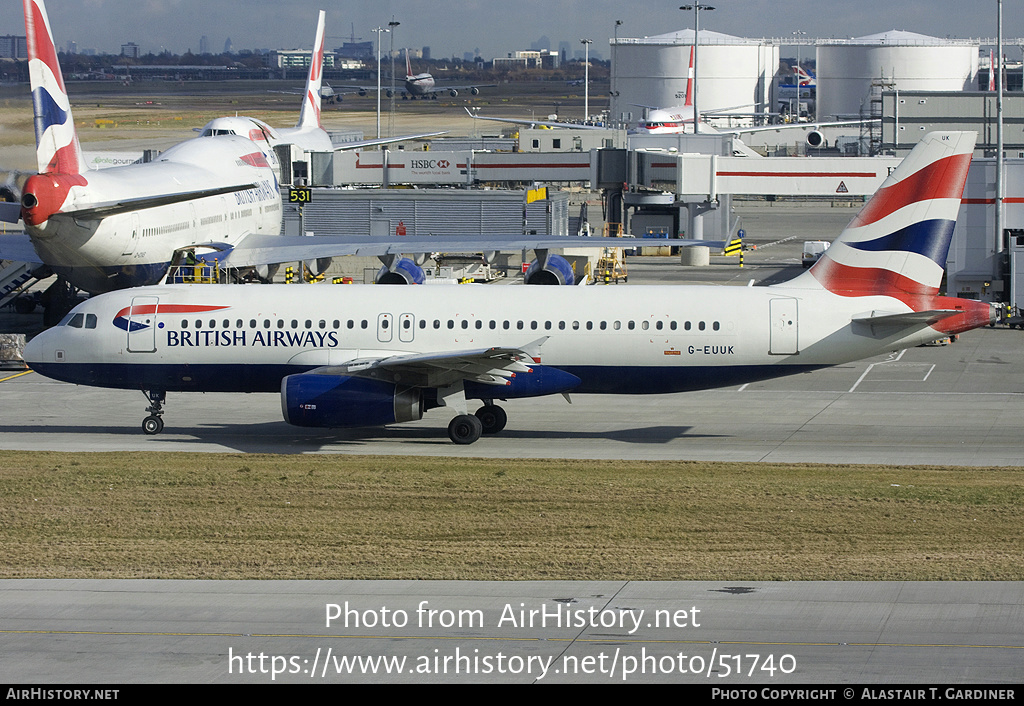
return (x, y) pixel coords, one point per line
(370, 356)
(308, 134)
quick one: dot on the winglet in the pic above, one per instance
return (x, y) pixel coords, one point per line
(310, 115)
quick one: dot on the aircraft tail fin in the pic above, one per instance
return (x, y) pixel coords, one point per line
(897, 244)
(689, 81)
(57, 148)
(310, 115)
(408, 65)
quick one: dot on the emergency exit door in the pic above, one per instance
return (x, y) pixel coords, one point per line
(784, 327)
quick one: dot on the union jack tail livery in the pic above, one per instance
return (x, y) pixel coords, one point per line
(57, 148)
(310, 115)
(896, 246)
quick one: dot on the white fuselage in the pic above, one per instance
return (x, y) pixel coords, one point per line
(307, 139)
(246, 338)
(420, 84)
(135, 248)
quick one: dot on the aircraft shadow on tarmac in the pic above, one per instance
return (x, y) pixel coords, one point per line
(278, 437)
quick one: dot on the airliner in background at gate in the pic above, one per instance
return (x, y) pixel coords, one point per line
(364, 356)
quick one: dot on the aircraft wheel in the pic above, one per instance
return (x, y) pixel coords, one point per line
(152, 425)
(492, 417)
(465, 429)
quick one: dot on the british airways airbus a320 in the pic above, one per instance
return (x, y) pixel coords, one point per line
(364, 356)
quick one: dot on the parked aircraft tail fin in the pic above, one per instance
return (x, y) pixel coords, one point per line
(689, 81)
(310, 115)
(57, 148)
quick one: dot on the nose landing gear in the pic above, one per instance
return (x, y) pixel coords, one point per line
(154, 424)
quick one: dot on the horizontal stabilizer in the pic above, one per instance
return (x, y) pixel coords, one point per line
(100, 211)
(18, 248)
(10, 212)
(915, 319)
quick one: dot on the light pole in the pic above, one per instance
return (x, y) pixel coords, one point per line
(586, 78)
(696, 7)
(615, 50)
(797, 34)
(391, 117)
(379, 31)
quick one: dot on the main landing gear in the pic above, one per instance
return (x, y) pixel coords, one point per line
(467, 428)
(154, 424)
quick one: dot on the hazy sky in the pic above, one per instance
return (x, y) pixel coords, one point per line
(494, 27)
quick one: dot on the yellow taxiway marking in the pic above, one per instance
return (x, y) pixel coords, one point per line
(11, 377)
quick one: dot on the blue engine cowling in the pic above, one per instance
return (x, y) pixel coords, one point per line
(333, 401)
(405, 272)
(556, 270)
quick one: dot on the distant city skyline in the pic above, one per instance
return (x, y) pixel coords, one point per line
(496, 28)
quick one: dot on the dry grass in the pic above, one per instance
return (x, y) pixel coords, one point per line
(344, 517)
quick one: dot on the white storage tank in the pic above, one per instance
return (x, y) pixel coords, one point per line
(733, 72)
(915, 62)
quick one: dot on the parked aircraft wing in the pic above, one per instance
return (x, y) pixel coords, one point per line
(535, 123)
(359, 144)
(17, 247)
(268, 249)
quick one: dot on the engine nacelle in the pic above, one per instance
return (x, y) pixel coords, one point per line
(475, 91)
(405, 272)
(335, 401)
(815, 139)
(453, 93)
(362, 92)
(318, 266)
(556, 270)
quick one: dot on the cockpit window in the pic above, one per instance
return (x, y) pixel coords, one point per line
(90, 320)
(76, 320)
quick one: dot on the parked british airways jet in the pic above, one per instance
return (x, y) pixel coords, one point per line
(364, 356)
(120, 227)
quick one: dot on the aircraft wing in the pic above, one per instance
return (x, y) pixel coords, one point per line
(790, 126)
(17, 247)
(535, 123)
(270, 249)
(489, 366)
(359, 144)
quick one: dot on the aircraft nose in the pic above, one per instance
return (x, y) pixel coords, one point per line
(33, 353)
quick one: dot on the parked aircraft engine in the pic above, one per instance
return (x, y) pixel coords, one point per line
(815, 139)
(453, 93)
(334, 401)
(475, 91)
(556, 270)
(318, 266)
(405, 272)
(362, 92)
